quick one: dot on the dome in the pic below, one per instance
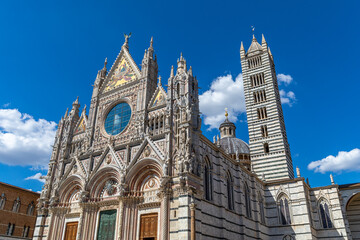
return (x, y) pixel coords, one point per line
(233, 145)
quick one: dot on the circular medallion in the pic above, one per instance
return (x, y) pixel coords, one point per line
(118, 118)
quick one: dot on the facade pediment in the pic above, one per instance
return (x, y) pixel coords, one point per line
(123, 71)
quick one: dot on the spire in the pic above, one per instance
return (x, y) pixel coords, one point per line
(151, 42)
(190, 71)
(159, 83)
(332, 179)
(145, 53)
(242, 46)
(263, 41)
(226, 113)
(151, 49)
(270, 53)
(172, 71)
(104, 70)
(76, 102)
(66, 113)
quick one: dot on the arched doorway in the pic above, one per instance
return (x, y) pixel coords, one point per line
(353, 215)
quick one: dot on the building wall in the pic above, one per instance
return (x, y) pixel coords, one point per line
(20, 218)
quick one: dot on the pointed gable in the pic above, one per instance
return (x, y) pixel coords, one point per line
(159, 97)
(81, 124)
(122, 72)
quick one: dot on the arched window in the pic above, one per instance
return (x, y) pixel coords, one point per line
(26, 231)
(261, 209)
(207, 180)
(325, 214)
(230, 192)
(10, 229)
(16, 205)
(247, 200)
(2, 201)
(30, 209)
(284, 210)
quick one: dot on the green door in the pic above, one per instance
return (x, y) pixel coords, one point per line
(106, 230)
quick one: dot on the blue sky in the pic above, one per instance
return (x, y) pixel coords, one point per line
(50, 53)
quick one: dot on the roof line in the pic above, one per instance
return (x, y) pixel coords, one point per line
(23, 189)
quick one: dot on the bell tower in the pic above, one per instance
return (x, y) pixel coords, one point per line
(269, 148)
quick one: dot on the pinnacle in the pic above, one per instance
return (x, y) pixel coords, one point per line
(242, 46)
(76, 101)
(172, 71)
(254, 38)
(105, 63)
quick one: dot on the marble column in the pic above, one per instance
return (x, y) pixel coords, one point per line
(120, 223)
(165, 216)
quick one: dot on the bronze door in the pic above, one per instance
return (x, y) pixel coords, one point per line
(106, 230)
(71, 230)
(148, 226)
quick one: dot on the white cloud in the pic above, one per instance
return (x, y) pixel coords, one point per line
(23, 140)
(224, 92)
(37, 176)
(287, 97)
(344, 161)
(283, 78)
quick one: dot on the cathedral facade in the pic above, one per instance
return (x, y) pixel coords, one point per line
(137, 166)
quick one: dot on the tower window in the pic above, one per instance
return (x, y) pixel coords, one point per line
(259, 96)
(264, 131)
(261, 112)
(257, 80)
(266, 148)
(254, 62)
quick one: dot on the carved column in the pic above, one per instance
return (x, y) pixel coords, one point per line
(121, 211)
(165, 195)
(193, 222)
